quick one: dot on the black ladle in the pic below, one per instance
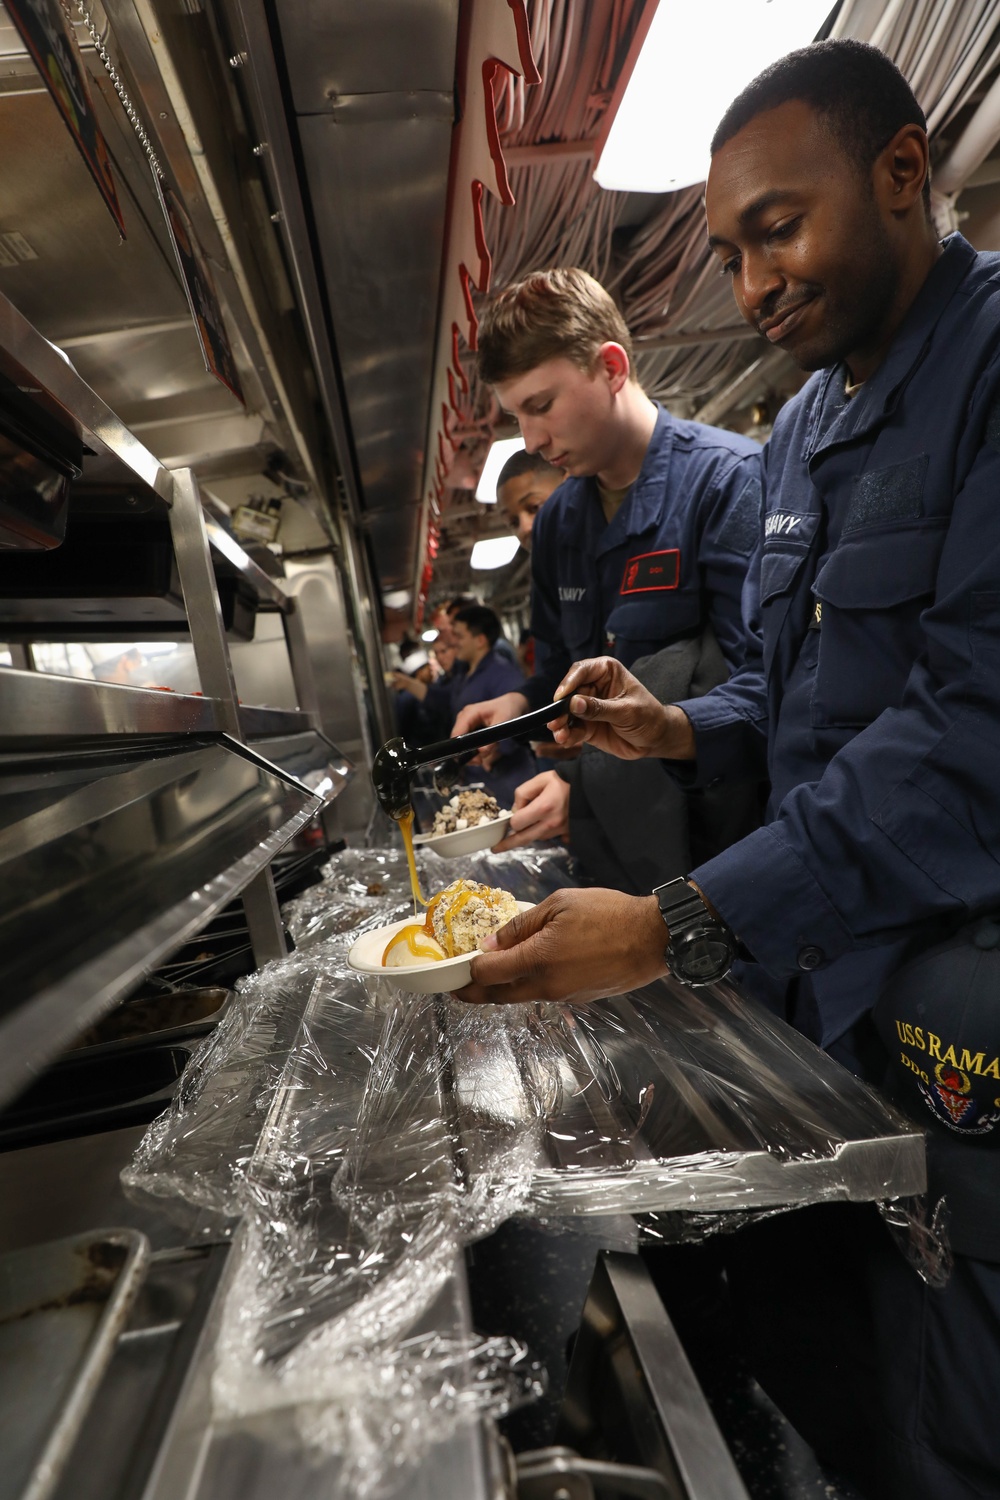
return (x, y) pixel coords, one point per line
(395, 762)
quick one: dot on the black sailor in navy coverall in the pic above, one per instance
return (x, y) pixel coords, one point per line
(874, 704)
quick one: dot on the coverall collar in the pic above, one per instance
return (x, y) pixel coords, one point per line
(879, 395)
(642, 507)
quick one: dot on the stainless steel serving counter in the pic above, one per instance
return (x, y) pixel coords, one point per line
(309, 1196)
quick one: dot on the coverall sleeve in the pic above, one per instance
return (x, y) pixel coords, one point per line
(904, 824)
(505, 677)
(730, 722)
(729, 531)
(552, 660)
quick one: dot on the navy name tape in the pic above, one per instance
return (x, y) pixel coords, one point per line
(652, 571)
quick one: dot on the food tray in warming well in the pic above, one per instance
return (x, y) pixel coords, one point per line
(156, 1019)
(62, 1306)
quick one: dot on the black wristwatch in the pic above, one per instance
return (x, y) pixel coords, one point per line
(701, 948)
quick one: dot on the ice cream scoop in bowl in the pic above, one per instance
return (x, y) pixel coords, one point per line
(424, 976)
(395, 762)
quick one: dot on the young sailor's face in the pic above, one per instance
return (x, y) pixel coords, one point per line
(795, 224)
(564, 413)
(522, 497)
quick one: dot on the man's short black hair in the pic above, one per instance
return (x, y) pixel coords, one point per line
(523, 462)
(460, 601)
(862, 96)
(479, 619)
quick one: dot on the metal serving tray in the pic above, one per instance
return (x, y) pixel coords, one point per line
(82, 1094)
(121, 1031)
(62, 1307)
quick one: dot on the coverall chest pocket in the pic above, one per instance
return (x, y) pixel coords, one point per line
(871, 593)
(578, 627)
(779, 569)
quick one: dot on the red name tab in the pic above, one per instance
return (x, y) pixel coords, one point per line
(651, 571)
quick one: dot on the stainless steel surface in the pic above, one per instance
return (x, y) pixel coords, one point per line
(330, 55)
(263, 723)
(561, 1474)
(248, 28)
(319, 596)
(182, 79)
(36, 707)
(40, 363)
(72, 1186)
(82, 618)
(384, 296)
(62, 1307)
(122, 888)
(260, 904)
(121, 1437)
(267, 590)
(194, 565)
(375, 131)
(67, 803)
(298, 656)
(152, 1021)
(623, 1312)
(311, 759)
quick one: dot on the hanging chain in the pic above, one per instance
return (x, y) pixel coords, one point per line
(119, 87)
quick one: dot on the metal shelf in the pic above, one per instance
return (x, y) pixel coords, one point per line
(260, 723)
(39, 369)
(109, 863)
(269, 594)
(36, 708)
(129, 816)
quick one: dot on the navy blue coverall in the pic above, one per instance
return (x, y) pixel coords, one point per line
(672, 557)
(494, 675)
(873, 700)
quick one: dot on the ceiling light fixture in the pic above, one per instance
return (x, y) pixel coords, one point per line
(493, 552)
(693, 63)
(430, 635)
(502, 449)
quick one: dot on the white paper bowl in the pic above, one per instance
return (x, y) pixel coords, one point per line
(464, 840)
(421, 979)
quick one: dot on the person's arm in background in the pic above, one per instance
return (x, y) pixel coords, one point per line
(729, 724)
(540, 811)
(413, 685)
(503, 680)
(551, 657)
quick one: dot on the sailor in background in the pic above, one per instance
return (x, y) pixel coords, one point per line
(873, 703)
(523, 485)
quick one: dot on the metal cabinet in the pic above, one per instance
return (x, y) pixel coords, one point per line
(128, 816)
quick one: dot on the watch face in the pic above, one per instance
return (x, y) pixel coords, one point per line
(703, 957)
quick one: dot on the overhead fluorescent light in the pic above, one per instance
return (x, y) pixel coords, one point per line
(502, 449)
(693, 63)
(494, 552)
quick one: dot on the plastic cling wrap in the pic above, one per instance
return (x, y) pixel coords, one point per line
(364, 1136)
